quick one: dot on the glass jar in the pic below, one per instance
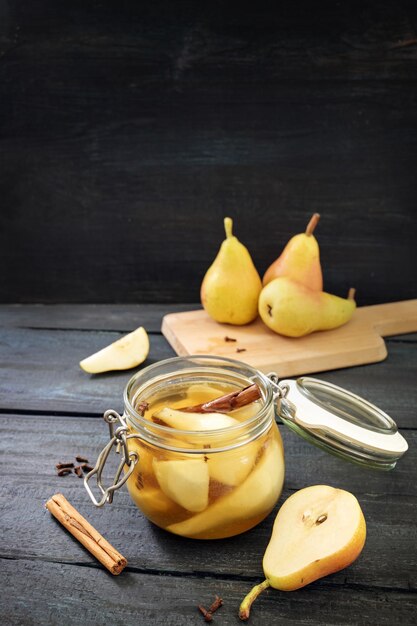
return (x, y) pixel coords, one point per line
(218, 475)
(200, 482)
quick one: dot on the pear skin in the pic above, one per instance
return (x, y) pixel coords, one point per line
(231, 286)
(293, 310)
(300, 260)
(319, 530)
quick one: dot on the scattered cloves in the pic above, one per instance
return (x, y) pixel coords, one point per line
(60, 465)
(227, 339)
(64, 471)
(81, 459)
(240, 349)
(218, 602)
(207, 615)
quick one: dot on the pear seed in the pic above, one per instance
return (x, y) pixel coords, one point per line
(321, 518)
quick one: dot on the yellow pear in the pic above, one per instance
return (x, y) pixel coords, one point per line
(293, 310)
(300, 260)
(123, 354)
(319, 530)
(231, 286)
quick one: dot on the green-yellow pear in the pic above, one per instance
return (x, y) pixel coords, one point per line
(293, 310)
(300, 260)
(319, 530)
(231, 286)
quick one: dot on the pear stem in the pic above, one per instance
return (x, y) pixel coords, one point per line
(245, 607)
(228, 225)
(312, 224)
(351, 294)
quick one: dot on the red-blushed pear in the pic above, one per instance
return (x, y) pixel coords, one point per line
(300, 260)
(291, 309)
(231, 286)
(319, 530)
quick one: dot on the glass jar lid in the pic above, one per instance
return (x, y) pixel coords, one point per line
(340, 422)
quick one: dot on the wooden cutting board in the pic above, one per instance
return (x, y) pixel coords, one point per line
(357, 342)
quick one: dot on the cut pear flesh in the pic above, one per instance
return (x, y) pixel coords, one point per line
(318, 530)
(231, 468)
(185, 482)
(151, 501)
(180, 420)
(255, 496)
(125, 353)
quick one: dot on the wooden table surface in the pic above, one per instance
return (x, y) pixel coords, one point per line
(50, 410)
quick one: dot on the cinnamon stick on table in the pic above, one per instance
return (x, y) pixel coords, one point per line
(86, 534)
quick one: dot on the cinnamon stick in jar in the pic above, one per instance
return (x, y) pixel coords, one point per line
(229, 402)
(86, 534)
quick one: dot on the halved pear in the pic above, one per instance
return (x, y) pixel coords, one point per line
(186, 482)
(255, 496)
(319, 530)
(125, 353)
(181, 420)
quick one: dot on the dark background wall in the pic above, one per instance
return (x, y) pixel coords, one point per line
(129, 129)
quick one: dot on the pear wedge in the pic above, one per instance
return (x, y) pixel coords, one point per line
(318, 530)
(180, 420)
(231, 468)
(186, 482)
(255, 496)
(125, 353)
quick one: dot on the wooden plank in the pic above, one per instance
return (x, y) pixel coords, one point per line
(88, 596)
(115, 317)
(357, 342)
(389, 501)
(40, 372)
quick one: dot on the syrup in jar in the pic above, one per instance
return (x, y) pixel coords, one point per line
(205, 475)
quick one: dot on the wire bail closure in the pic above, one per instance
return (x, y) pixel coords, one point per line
(118, 439)
(280, 390)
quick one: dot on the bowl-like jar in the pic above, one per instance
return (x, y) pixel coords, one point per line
(200, 482)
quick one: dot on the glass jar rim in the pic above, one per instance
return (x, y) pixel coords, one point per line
(160, 432)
